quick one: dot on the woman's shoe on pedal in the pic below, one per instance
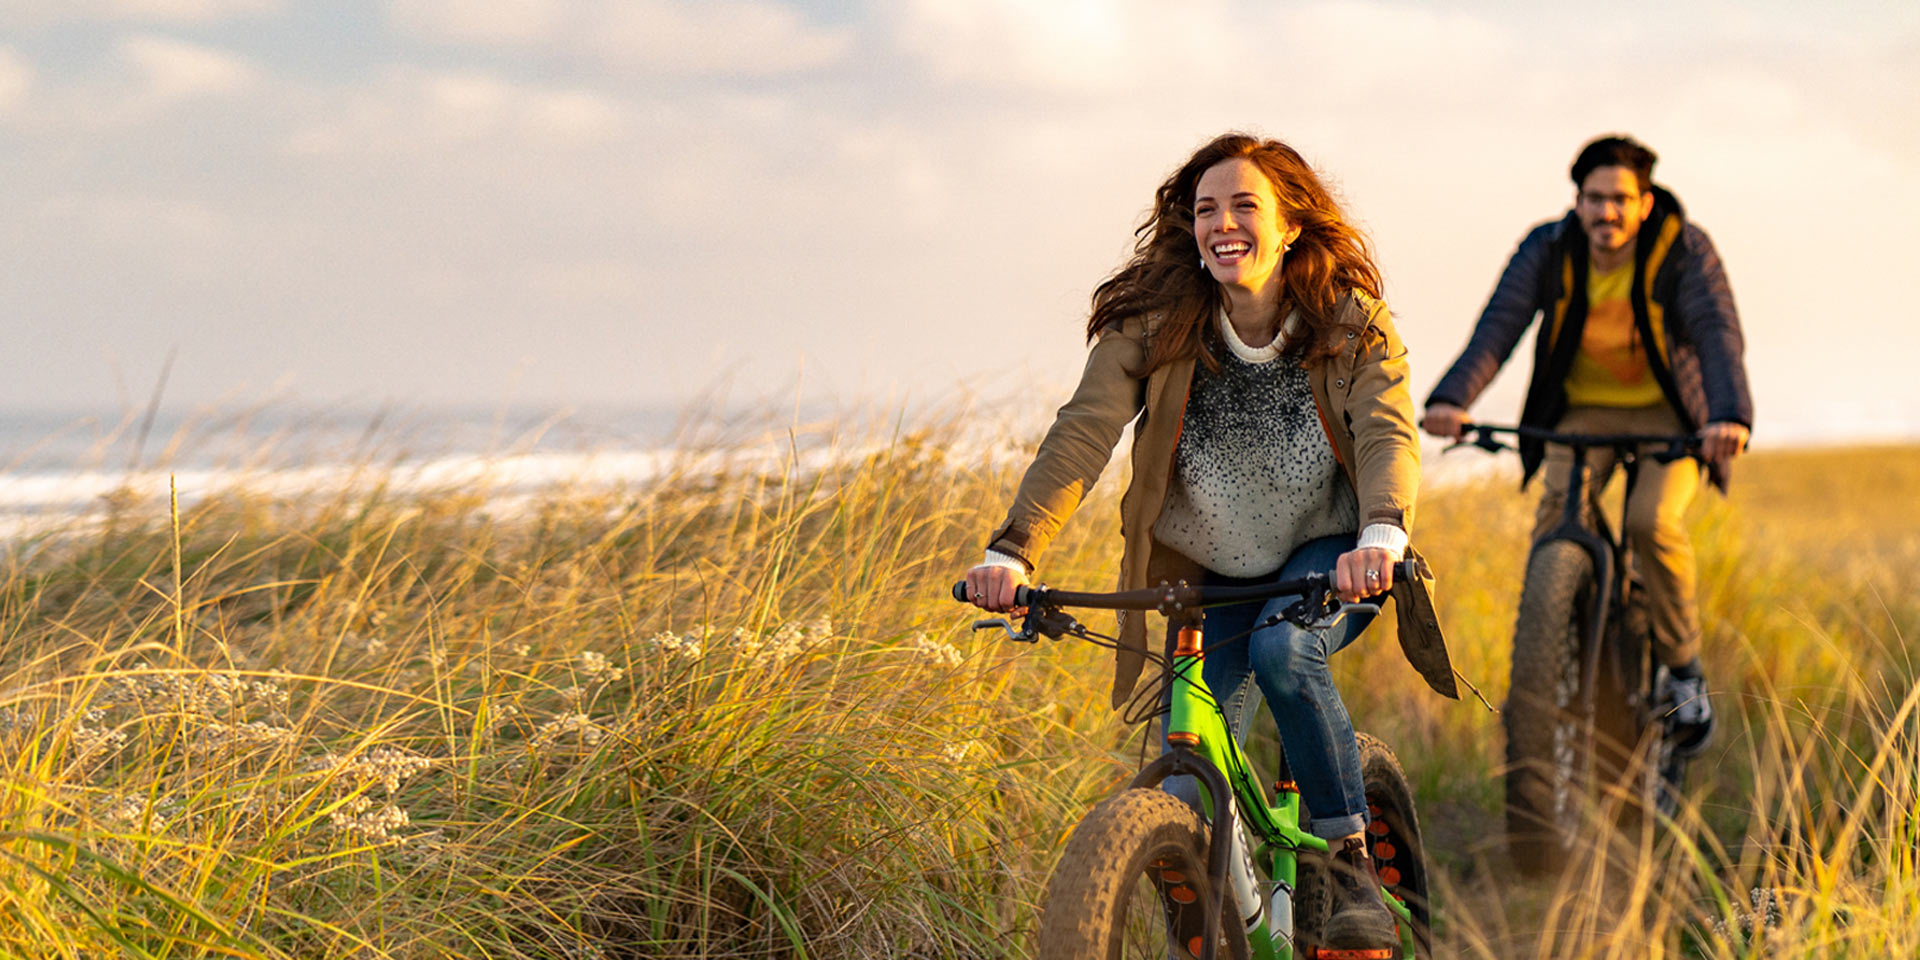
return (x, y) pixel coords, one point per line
(1361, 927)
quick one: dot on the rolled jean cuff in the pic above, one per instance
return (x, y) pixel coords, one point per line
(1333, 828)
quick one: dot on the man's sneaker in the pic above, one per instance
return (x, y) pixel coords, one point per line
(1361, 922)
(1690, 713)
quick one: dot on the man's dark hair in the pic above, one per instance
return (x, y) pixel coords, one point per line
(1615, 151)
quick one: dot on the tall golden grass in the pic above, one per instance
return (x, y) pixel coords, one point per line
(731, 712)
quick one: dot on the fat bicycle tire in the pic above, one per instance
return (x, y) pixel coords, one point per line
(1393, 837)
(1549, 766)
(1131, 858)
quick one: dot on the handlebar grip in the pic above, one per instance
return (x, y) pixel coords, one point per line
(959, 592)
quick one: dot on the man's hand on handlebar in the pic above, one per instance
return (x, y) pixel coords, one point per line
(1351, 572)
(1444, 420)
(1722, 440)
(991, 587)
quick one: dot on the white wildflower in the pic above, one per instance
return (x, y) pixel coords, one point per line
(674, 645)
(521, 649)
(357, 818)
(371, 645)
(957, 751)
(136, 811)
(91, 741)
(268, 692)
(233, 736)
(783, 644)
(206, 693)
(818, 629)
(1767, 912)
(596, 666)
(386, 766)
(578, 725)
(128, 810)
(744, 644)
(936, 652)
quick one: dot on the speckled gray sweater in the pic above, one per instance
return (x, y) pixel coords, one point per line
(1254, 476)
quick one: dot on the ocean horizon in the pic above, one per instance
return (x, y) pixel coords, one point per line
(57, 466)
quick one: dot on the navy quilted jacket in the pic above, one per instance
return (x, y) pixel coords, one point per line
(1686, 311)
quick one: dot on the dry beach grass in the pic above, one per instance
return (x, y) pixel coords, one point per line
(730, 712)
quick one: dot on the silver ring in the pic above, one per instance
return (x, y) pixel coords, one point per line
(1373, 574)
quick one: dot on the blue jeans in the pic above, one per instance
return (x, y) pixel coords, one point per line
(1290, 666)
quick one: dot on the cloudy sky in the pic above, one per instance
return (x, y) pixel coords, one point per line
(586, 202)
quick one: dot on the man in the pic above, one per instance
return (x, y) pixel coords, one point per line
(1640, 336)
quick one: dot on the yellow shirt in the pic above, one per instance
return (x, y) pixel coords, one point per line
(1611, 368)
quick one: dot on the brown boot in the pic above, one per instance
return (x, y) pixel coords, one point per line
(1361, 922)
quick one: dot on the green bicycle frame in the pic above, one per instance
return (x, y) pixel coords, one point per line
(1198, 715)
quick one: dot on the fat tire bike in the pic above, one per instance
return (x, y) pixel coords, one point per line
(1586, 713)
(1144, 876)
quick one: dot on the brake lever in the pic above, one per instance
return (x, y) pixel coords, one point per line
(1053, 624)
(1327, 622)
(1324, 614)
(1023, 635)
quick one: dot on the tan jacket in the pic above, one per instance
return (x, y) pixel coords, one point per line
(1364, 406)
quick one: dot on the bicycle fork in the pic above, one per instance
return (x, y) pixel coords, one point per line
(1201, 746)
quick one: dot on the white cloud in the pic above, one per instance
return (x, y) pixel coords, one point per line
(186, 10)
(134, 11)
(496, 22)
(174, 70)
(1071, 46)
(739, 38)
(139, 220)
(981, 161)
(1209, 52)
(16, 77)
(410, 111)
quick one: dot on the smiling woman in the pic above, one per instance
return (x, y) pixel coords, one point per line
(1246, 342)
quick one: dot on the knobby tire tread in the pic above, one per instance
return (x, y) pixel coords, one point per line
(1388, 791)
(1108, 851)
(1546, 650)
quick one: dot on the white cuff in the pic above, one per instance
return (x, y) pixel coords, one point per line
(1386, 536)
(997, 559)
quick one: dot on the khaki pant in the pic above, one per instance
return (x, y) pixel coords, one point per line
(1653, 527)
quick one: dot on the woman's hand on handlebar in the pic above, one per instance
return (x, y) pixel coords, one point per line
(1351, 578)
(990, 587)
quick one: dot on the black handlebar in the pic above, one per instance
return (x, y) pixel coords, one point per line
(1182, 596)
(1677, 445)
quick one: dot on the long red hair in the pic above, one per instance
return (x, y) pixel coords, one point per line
(1165, 277)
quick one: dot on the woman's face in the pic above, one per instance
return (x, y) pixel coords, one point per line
(1238, 224)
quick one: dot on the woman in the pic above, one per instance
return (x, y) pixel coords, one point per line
(1275, 437)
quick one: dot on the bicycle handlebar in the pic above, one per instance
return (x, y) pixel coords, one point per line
(1181, 596)
(1677, 445)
